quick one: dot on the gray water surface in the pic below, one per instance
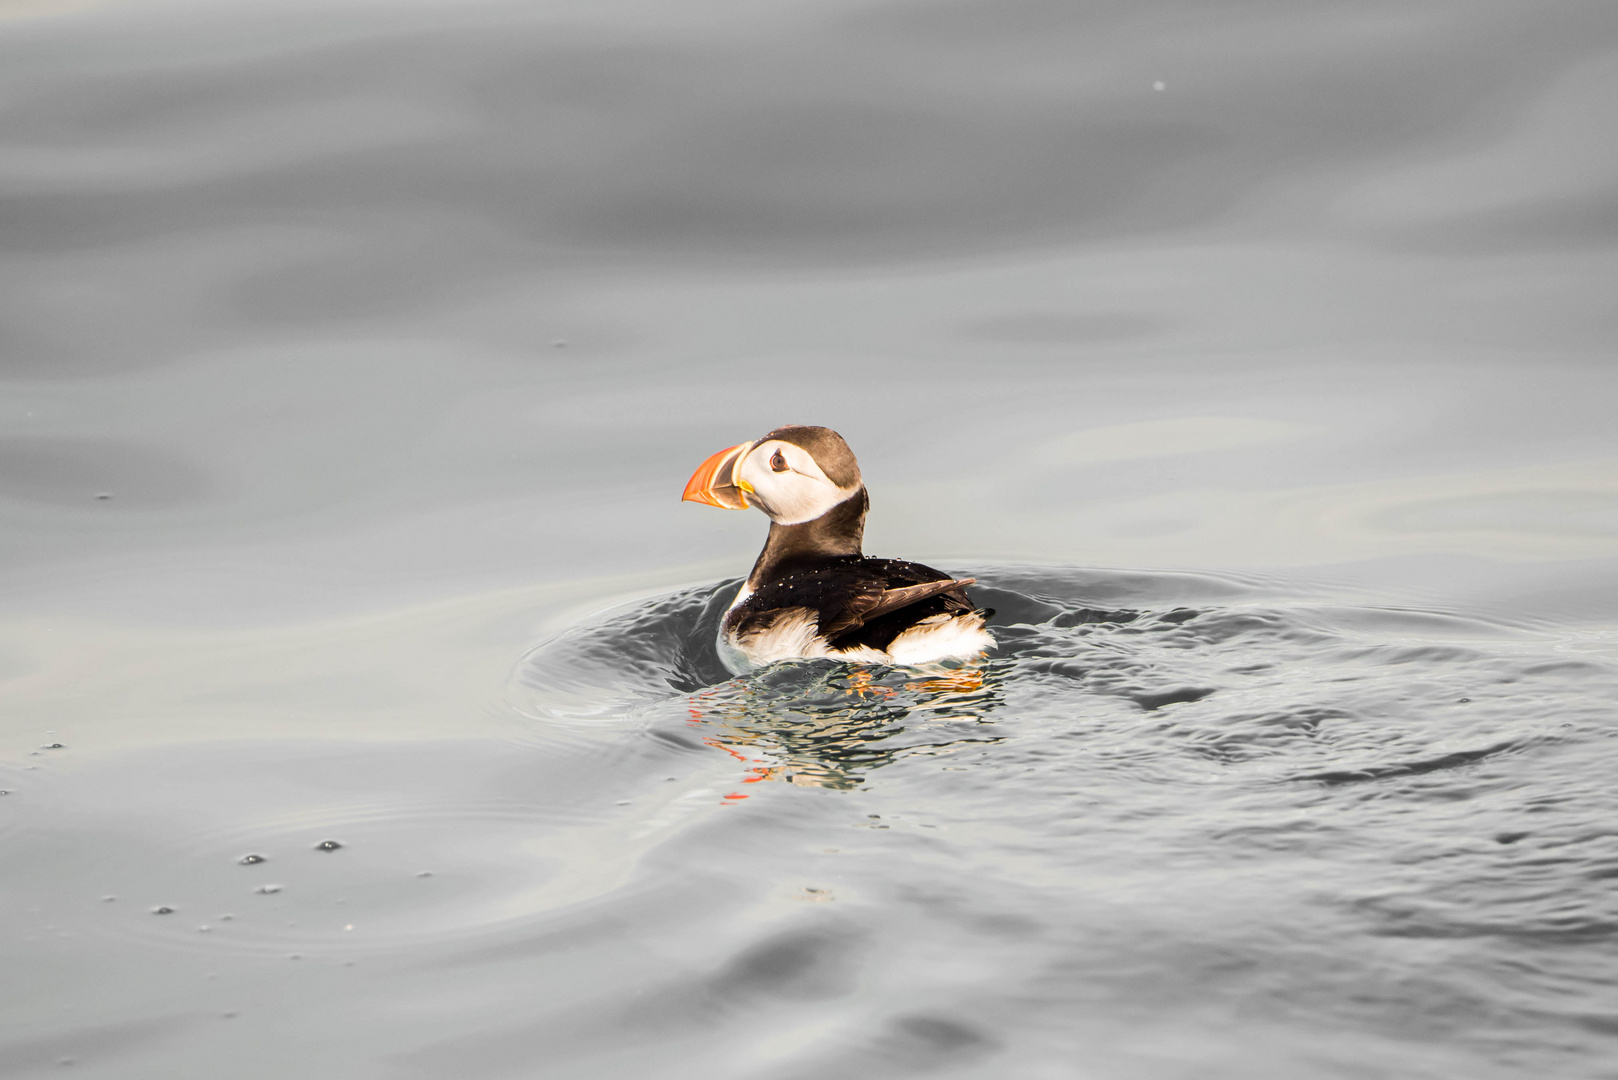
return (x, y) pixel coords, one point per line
(1257, 358)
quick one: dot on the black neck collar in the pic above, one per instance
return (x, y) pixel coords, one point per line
(837, 532)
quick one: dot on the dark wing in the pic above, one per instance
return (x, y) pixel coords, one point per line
(904, 596)
(902, 608)
(849, 594)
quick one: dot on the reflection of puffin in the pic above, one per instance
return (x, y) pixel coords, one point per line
(811, 592)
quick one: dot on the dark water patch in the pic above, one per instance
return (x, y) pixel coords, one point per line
(914, 1044)
(1154, 701)
(1453, 760)
(1564, 931)
(802, 965)
(678, 740)
(1559, 668)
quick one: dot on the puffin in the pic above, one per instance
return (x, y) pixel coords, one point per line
(813, 592)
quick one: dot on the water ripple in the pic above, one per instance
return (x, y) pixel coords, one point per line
(1335, 784)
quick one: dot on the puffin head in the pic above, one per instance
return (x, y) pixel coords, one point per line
(794, 474)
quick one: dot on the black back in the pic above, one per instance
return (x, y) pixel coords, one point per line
(839, 589)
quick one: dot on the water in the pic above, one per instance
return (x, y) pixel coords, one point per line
(352, 359)
(1286, 835)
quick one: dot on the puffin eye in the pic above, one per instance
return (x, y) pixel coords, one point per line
(777, 462)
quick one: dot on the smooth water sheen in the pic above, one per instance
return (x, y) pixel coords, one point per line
(359, 715)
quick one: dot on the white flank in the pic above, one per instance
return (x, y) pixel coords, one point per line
(795, 635)
(942, 637)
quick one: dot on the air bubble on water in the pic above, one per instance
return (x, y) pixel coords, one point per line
(252, 860)
(162, 909)
(267, 889)
(328, 845)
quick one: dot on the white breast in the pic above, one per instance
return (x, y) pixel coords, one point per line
(734, 659)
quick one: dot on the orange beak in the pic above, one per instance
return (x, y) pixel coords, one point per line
(715, 482)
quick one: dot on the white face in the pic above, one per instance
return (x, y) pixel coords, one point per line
(782, 480)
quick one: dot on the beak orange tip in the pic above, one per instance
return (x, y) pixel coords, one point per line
(713, 483)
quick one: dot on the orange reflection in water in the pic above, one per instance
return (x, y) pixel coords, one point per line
(828, 725)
